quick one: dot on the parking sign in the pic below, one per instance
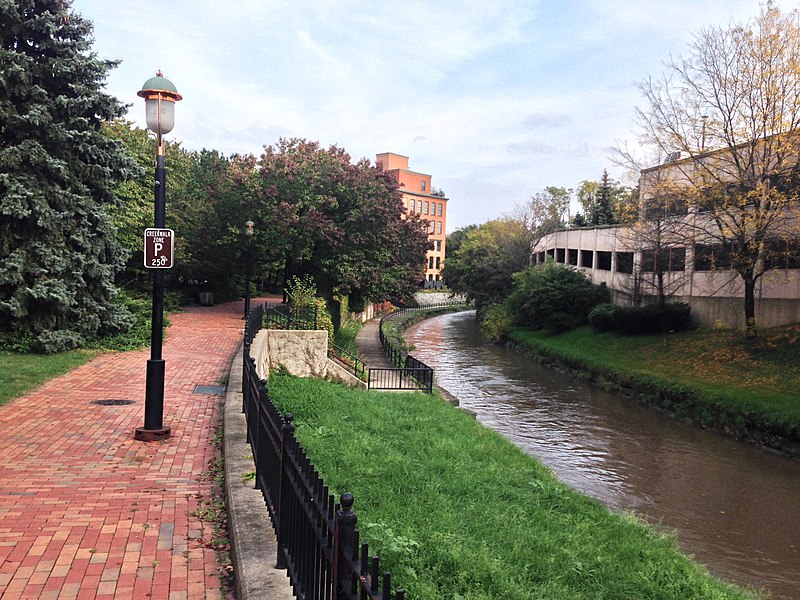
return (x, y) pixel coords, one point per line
(158, 248)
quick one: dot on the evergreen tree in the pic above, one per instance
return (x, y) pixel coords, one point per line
(58, 252)
(601, 212)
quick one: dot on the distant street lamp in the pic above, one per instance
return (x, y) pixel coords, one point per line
(160, 97)
(248, 231)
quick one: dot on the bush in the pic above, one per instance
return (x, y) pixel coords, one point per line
(601, 317)
(652, 318)
(495, 322)
(302, 292)
(553, 296)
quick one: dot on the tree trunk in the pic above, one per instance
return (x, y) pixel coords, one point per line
(750, 308)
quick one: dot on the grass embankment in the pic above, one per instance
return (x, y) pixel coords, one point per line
(457, 511)
(20, 373)
(714, 377)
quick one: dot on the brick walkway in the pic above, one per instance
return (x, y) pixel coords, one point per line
(88, 512)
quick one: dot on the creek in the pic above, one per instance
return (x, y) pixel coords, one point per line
(732, 506)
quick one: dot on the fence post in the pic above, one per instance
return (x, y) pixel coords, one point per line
(255, 436)
(247, 401)
(343, 547)
(283, 493)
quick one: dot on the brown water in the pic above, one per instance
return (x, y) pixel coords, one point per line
(734, 507)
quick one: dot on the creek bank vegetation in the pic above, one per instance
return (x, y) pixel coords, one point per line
(457, 511)
(709, 377)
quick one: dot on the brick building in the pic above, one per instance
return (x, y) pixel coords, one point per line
(420, 198)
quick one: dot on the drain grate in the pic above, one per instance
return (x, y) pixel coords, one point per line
(112, 402)
(211, 390)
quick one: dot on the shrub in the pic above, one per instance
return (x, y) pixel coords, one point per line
(652, 318)
(495, 322)
(303, 294)
(553, 296)
(601, 317)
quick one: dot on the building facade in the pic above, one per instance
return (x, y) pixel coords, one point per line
(613, 255)
(693, 221)
(421, 199)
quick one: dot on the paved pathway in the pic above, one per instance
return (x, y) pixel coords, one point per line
(88, 512)
(369, 343)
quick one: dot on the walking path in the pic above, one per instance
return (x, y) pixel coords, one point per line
(369, 343)
(88, 512)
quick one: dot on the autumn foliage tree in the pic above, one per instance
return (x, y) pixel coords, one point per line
(731, 110)
(341, 222)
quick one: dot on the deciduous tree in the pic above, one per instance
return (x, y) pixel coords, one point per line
(485, 258)
(729, 111)
(341, 222)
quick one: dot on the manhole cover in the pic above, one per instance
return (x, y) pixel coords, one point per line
(211, 390)
(112, 402)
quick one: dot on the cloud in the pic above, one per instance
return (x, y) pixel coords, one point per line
(547, 121)
(531, 147)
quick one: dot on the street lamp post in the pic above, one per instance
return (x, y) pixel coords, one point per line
(160, 96)
(248, 231)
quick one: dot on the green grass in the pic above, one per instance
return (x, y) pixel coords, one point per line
(457, 511)
(346, 336)
(20, 373)
(755, 380)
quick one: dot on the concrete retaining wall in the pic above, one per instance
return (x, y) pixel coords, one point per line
(303, 354)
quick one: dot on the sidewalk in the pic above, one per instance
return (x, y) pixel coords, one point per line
(88, 512)
(369, 343)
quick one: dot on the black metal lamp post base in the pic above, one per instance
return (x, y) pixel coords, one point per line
(154, 429)
(151, 435)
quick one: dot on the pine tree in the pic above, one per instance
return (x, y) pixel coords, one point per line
(601, 212)
(58, 252)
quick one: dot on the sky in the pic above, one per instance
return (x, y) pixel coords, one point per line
(495, 100)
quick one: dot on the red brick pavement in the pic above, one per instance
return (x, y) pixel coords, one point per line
(88, 512)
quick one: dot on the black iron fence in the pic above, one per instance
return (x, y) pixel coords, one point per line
(318, 541)
(348, 358)
(288, 316)
(408, 372)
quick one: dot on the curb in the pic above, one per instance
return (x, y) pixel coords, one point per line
(252, 538)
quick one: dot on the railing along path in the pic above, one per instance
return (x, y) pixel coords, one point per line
(318, 542)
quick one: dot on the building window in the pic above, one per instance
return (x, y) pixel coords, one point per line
(439, 209)
(426, 208)
(430, 262)
(430, 226)
(438, 245)
(561, 255)
(439, 228)
(572, 257)
(586, 258)
(783, 254)
(423, 186)
(625, 262)
(604, 260)
(419, 207)
(413, 206)
(667, 259)
(438, 262)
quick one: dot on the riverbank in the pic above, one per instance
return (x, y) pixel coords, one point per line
(456, 510)
(710, 377)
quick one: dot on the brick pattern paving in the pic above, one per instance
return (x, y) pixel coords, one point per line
(88, 512)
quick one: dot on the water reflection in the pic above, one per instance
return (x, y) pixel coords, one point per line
(733, 506)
